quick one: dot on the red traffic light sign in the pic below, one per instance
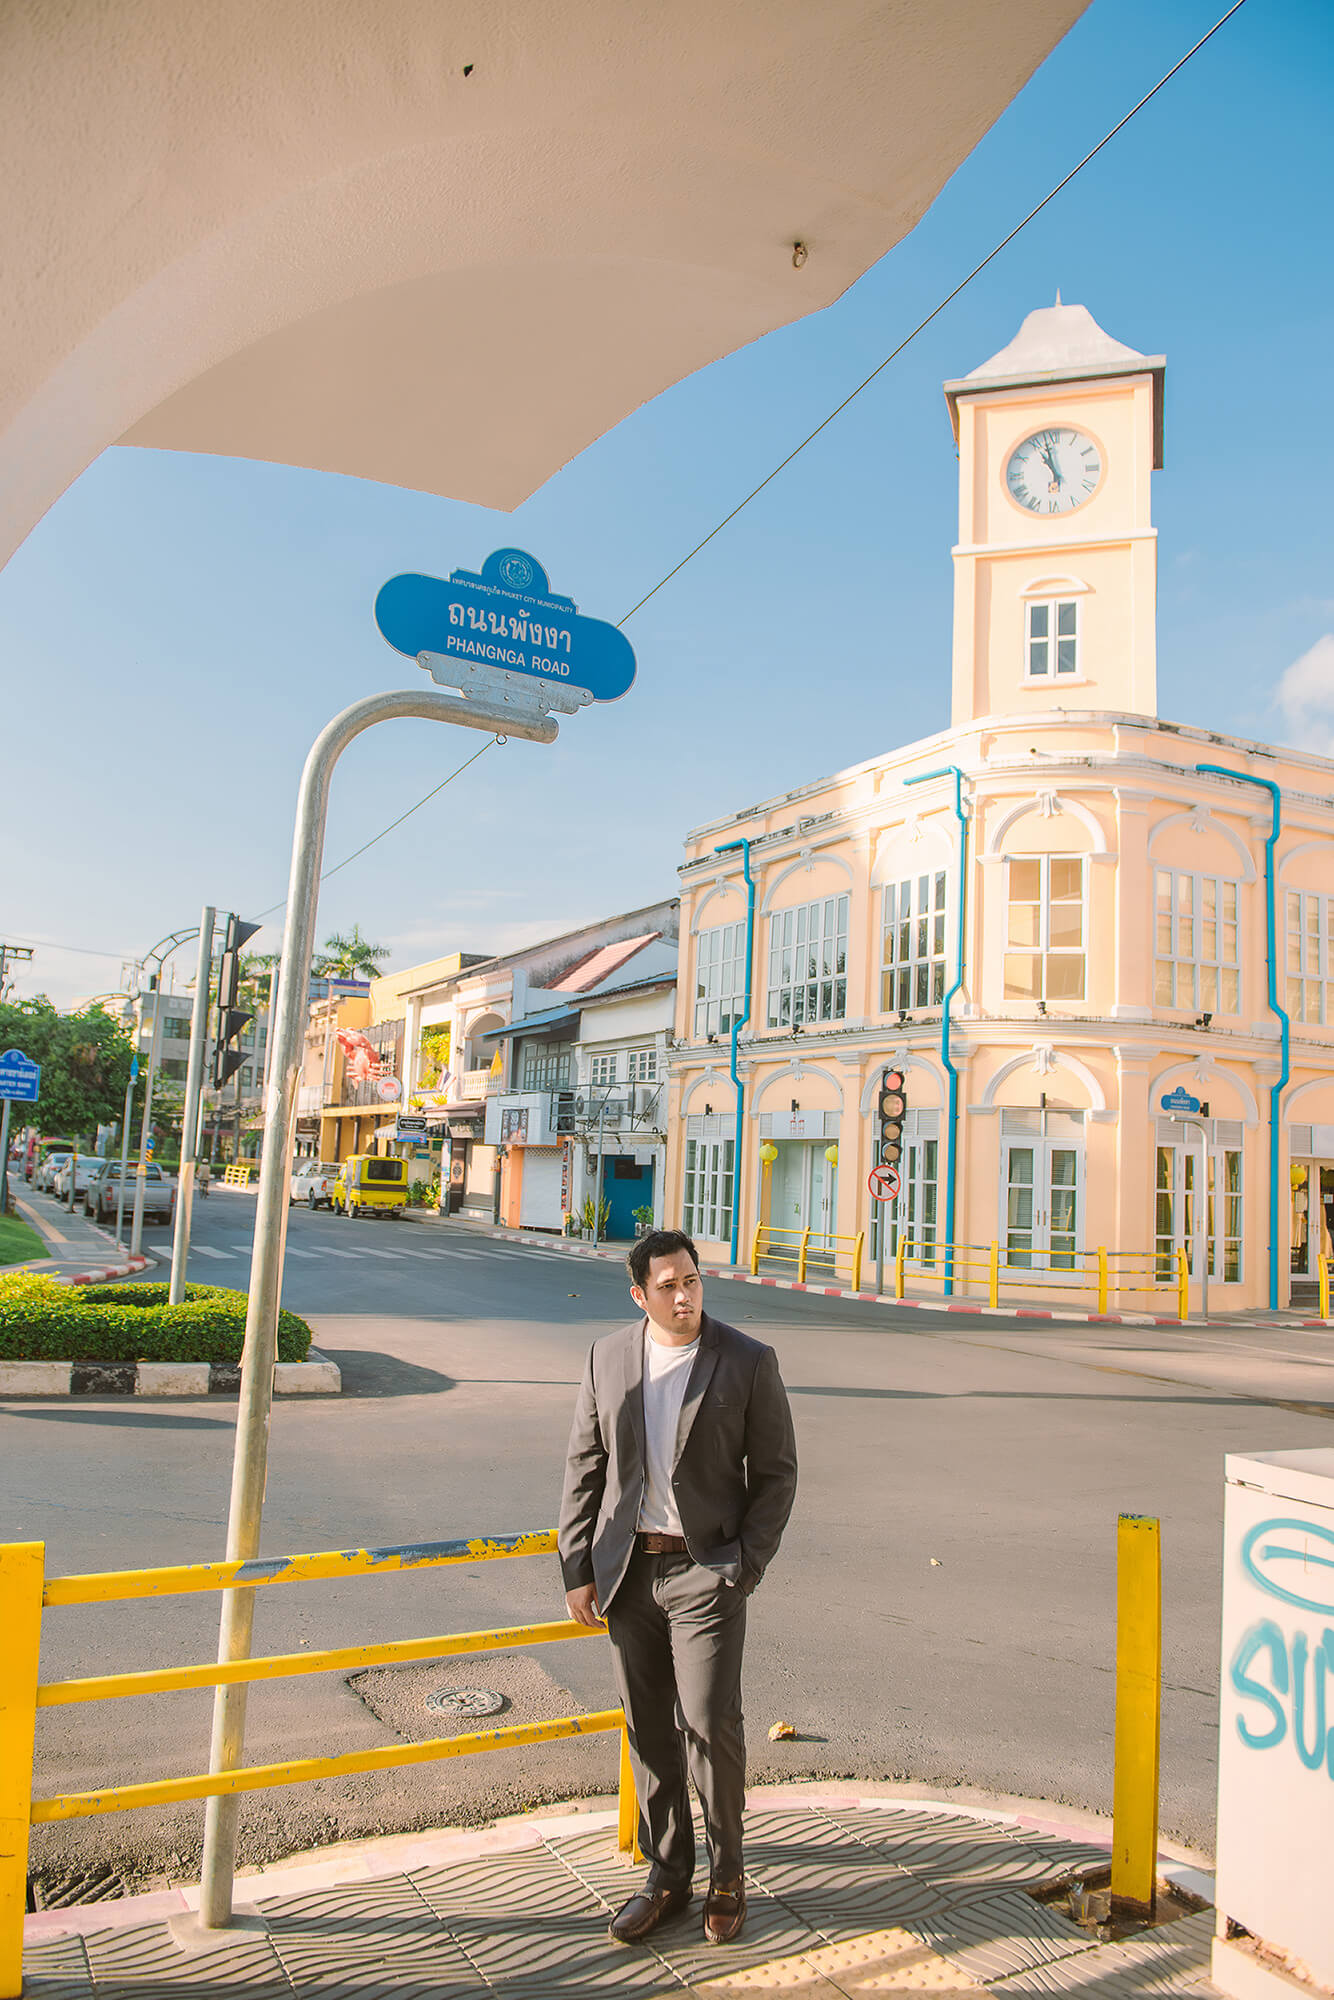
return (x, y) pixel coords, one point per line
(883, 1182)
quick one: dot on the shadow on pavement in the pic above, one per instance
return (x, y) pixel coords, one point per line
(366, 1373)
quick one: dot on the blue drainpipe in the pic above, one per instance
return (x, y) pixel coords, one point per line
(952, 1120)
(738, 1023)
(1271, 965)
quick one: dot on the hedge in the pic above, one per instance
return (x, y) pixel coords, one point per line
(43, 1320)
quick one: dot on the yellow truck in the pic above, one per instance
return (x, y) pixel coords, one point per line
(369, 1185)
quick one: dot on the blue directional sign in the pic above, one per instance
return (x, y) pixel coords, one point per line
(508, 617)
(20, 1077)
(1179, 1100)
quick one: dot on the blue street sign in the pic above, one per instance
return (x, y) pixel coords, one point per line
(1179, 1100)
(20, 1077)
(509, 618)
(134, 1069)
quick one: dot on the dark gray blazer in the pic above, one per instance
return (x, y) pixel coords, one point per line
(736, 1459)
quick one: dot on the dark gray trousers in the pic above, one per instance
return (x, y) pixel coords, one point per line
(677, 1633)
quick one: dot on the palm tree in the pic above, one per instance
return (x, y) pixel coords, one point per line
(349, 957)
(256, 975)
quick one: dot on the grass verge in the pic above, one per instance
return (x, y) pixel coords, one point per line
(18, 1243)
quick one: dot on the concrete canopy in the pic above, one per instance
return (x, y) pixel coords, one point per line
(446, 247)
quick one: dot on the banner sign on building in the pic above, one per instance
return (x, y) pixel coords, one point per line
(507, 617)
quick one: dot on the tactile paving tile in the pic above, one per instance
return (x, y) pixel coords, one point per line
(56, 1969)
(890, 1962)
(146, 1959)
(951, 1848)
(1171, 1959)
(369, 1938)
(992, 1936)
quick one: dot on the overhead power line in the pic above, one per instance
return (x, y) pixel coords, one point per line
(935, 313)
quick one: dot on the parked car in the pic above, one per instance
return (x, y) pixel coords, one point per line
(369, 1185)
(40, 1149)
(84, 1166)
(47, 1168)
(159, 1193)
(313, 1182)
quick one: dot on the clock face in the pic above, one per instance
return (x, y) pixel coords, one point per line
(1054, 471)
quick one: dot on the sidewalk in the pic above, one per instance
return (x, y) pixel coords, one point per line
(918, 1301)
(77, 1250)
(848, 1895)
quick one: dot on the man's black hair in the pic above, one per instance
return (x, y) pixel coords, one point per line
(658, 1243)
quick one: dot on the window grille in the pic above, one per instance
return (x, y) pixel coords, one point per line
(912, 959)
(1196, 942)
(808, 962)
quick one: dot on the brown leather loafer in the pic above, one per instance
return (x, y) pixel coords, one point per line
(645, 1911)
(724, 1912)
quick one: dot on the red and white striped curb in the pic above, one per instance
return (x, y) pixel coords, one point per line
(125, 1270)
(564, 1248)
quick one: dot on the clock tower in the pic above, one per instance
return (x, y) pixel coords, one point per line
(1055, 572)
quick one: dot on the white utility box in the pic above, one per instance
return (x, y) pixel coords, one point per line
(1276, 1724)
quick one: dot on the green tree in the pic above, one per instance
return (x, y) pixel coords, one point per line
(349, 956)
(85, 1061)
(256, 976)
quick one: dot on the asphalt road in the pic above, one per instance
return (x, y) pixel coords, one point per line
(942, 1608)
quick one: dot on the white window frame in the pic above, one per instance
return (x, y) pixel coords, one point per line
(1201, 977)
(1182, 1195)
(1043, 949)
(720, 979)
(176, 1027)
(1043, 1133)
(1308, 955)
(792, 933)
(912, 946)
(708, 1188)
(602, 1070)
(1053, 671)
(641, 1065)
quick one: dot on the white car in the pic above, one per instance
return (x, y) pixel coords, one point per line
(44, 1176)
(85, 1166)
(312, 1182)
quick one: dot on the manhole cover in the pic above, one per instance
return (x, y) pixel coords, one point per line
(465, 1701)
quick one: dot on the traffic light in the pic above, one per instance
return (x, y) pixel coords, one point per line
(232, 1020)
(891, 1110)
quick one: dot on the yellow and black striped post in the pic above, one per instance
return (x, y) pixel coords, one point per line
(1139, 1676)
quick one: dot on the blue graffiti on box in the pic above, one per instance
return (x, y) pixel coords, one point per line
(508, 617)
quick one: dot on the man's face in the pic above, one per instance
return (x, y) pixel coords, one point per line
(673, 1297)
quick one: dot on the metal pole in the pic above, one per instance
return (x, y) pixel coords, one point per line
(878, 1210)
(1202, 1210)
(194, 1077)
(597, 1179)
(125, 1150)
(288, 1029)
(4, 1159)
(137, 1226)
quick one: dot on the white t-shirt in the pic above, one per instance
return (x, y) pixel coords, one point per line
(666, 1373)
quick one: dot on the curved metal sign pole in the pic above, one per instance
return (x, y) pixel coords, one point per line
(249, 1464)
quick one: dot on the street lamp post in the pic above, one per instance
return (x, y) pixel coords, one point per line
(194, 1077)
(526, 717)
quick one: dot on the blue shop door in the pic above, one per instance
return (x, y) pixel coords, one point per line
(627, 1186)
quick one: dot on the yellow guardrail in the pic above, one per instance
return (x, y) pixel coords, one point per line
(240, 1175)
(1322, 1274)
(823, 1253)
(1088, 1270)
(26, 1591)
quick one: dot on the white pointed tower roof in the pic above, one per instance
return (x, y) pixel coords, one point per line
(1061, 343)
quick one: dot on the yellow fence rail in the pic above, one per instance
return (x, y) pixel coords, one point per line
(25, 1592)
(1322, 1274)
(240, 1175)
(810, 1250)
(1102, 1272)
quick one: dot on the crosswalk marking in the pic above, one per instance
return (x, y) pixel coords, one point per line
(207, 1250)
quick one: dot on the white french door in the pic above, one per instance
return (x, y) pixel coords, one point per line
(1042, 1191)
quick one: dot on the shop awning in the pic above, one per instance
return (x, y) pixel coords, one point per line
(538, 1024)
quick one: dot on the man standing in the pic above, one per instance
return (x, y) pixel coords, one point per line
(679, 1480)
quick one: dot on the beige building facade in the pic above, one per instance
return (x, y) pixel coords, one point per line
(1050, 917)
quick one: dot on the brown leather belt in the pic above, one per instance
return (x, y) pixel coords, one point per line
(662, 1545)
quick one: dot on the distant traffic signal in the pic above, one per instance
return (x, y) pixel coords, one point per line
(891, 1110)
(232, 1020)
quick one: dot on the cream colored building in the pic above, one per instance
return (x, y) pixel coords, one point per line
(1083, 934)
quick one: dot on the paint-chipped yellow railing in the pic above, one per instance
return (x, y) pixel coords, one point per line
(25, 1591)
(1322, 1274)
(814, 1252)
(1103, 1273)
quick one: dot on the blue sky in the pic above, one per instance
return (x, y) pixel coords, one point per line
(179, 628)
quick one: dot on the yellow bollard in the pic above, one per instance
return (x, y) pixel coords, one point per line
(1322, 1269)
(755, 1252)
(801, 1257)
(1183, 1286)
(627, 1806)
(21, 1567)
(993, 1276)
(1102, 1279)
(857, 1248)
(1139, 1673)
(900, 1259)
